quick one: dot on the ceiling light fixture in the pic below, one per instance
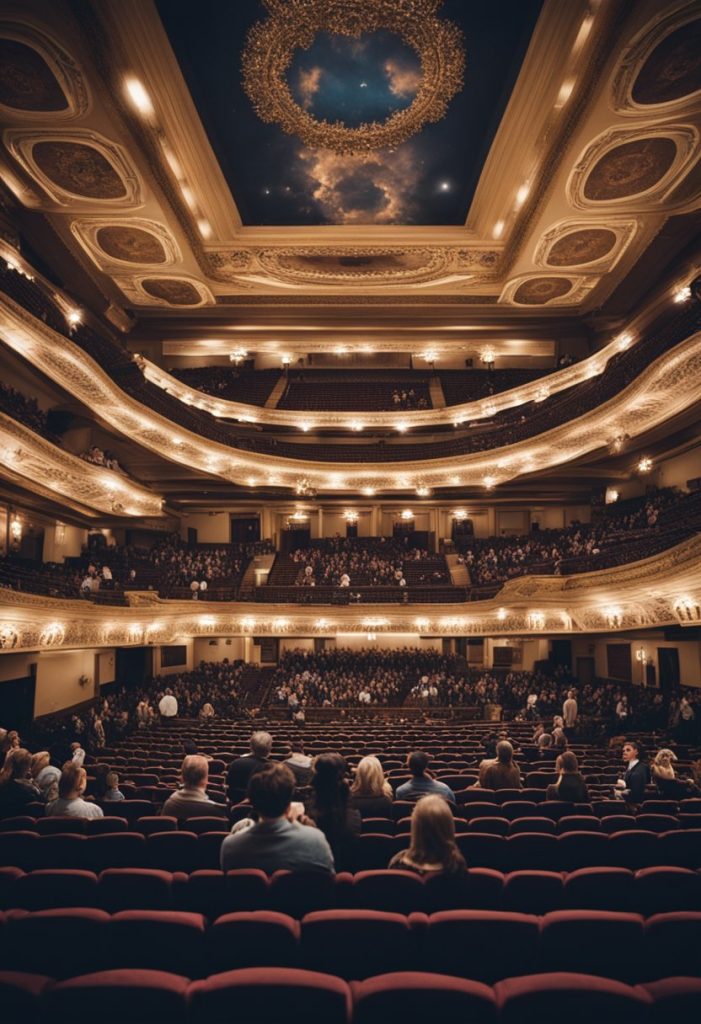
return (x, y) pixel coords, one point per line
(139, 98)
(682, 294)
(488, 356)
(644, 464)
(564, 93)
(498, 229)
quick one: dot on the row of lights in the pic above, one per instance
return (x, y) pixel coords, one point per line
(142, 103)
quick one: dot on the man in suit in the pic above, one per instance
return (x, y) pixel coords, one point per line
(637, 775)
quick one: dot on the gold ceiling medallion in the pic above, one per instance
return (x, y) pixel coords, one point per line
(293, 25)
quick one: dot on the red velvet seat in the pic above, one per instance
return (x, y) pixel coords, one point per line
(478, 889)
(8, 879)
(578, 823)
(634, 849)
(521, 808)
(541, 826)
(45, 889)
(98, 826)
(20, 996)
(600, 888)
(135, 889)
(379, 826)
(489, 826)
(155, 823)
(664, 889)
(375, 851)
(356, 944)
(617, 823)
(482, 851)
(531, 851)
(673, 944)
(119, 996)
(260, 938)
(68, 826)
(173, 851)
(480, 944)
(399, 892)
(209, 849)
(481, 809)
(57, 943)
(158, 940)
(674, 999)
(132, 810)
(575, 998)
(264, 995)
(247, 889)
(581, 850)
(301, 892)
(205, 824)
(595, 942)
(682, 848)
(416, 997)
(532, 892)
(116, 850)
(18, 823)
(62, 850)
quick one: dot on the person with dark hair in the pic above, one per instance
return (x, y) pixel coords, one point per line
(243, 768)
(432, 848)
(422, 782)
(570, 784)
(282, 838)
(329, 808)
(299, 763)
(637, 775)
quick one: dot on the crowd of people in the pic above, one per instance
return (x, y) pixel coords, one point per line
(498, 559)
(97, 457)
(375, 562)
(345, 678)
(407, 398)
(26, 410)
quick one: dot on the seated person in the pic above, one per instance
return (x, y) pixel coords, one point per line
(328, 807)
(570, 785)
(113, 792)
(242, 768)
(282, 838)
(432, 848)
(16, 786)
(631, 787)
(665, 778)
(45, 775)
(502, 772)
(371, 793)
(191, 801)
(422, 782)
(299, 763)
(69, 802)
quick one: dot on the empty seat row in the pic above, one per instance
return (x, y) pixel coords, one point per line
(212, 893)
(187, 851)
(481, 945)
(298, 996)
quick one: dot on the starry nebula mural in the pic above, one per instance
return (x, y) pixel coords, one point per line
(276, 178)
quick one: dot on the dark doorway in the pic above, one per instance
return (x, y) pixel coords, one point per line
(585, 671)
(191, 535)
(462, 529)
(290, 540)
(561, 653)
(245, 530)
(668, 661)
(18, 702)
(133, 665)
(351, 529)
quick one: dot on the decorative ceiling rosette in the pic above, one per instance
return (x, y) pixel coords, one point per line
(294, 24)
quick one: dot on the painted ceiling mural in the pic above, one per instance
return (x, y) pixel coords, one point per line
(383, 120)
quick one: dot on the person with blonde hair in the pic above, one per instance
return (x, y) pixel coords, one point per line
(370, 792)
(191, 800)
(16, 789)
(432, 849)
(45, 775)
(70, 803)
(665, 777)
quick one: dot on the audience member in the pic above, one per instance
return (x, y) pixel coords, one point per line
(502, 772)
(16, 784)
(665, 778)
(70, 803)
(112, 791)
(422, 782)
(191, 800)
(329, 808)
(299, 764)
(45, 775)
(570, 785)
(632, 786)
(432, 849)
(242, 768)
(281, 839)
(371, 793)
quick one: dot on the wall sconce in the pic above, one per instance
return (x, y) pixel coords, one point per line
(406, 516)
(488, 356)
(16, 530)
(350, 516)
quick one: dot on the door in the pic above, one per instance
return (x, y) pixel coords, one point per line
(585, 670)
(668, 661)
(245, 529)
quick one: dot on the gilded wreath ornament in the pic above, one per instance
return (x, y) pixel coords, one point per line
(293, 24)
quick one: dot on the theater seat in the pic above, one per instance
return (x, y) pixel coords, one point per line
(261, 938)
(595, 942)
(479, 889)
(664, 889)
(600, 888)
(674, 999)
(575, 998)
(673, 944)
(20, 996)
(301, 892)
(399, 892)
(57, 943)
(157, 940)
(264, 995)
(417, 997)
(45, 889)
(532, 892)
(481, 945)
(135, 889)
(355, 944)
(119, 996)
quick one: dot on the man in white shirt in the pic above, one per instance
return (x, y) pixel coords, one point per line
(168, 706)
(70, 803)
(570, 710)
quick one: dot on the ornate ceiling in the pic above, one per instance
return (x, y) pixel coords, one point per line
(558, 140)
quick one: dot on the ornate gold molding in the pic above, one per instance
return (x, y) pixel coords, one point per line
(68, 74)
(39, 464)
(293, 24)
(660, 591)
